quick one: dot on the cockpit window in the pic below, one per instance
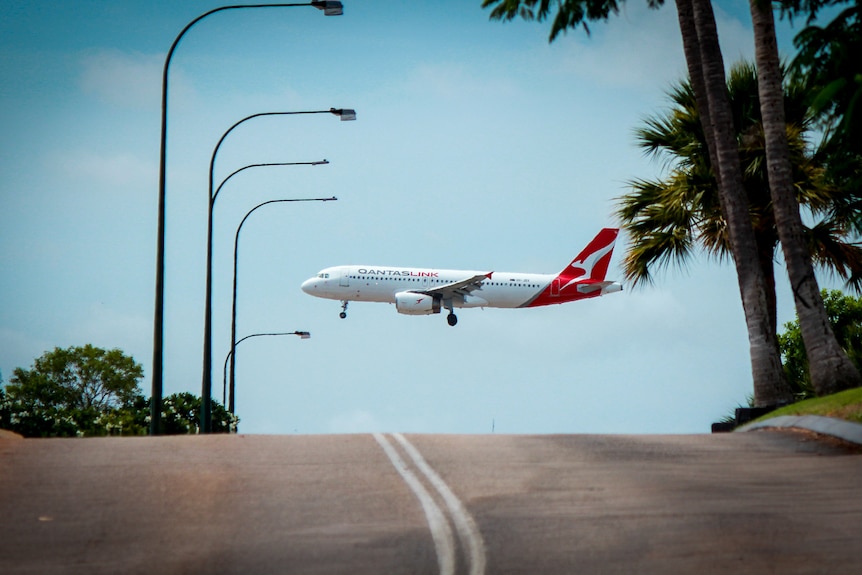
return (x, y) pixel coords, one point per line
(323, 276)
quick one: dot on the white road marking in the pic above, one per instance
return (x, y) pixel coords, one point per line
(441, 533)
(464, 523)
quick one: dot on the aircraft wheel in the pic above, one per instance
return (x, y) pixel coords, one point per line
(452, 319)
(342, 315)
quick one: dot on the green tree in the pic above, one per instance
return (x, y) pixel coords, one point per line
(706, 69)
(828, 365)
(828, 60)
(5, 407)
(181, 415)
(845, 318)
(829, 64)
(72, 391)
(668, 218)
(88, 391)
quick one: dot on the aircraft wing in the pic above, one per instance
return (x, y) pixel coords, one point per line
(458, 289)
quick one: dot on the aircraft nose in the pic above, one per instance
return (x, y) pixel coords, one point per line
(309, 285)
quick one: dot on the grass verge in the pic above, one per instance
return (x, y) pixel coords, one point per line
(845, 405)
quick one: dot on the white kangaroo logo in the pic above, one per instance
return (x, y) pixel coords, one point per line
(588, 264)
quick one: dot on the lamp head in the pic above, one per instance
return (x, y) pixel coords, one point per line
(345, 114)
(329, 7)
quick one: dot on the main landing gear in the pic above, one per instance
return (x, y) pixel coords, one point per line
(451, 318)
(343, 313)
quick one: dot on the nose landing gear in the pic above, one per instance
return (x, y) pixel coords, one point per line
(343, 313)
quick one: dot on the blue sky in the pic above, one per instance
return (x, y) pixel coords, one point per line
(477, 145)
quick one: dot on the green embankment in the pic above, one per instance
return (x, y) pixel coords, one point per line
(845, 405)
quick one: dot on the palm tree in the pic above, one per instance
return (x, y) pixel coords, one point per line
(706, 67)
(829, 367)
(669, 219)
(703, 56)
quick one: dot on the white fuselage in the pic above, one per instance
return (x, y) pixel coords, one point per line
(425, 291)
(381, 283)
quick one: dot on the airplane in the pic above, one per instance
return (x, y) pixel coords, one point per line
(423, 291)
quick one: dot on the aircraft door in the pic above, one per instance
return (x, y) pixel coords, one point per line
(344, 277)
(555, 288)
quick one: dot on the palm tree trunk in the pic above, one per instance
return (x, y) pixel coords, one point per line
(691, 48)
(829, 367)
(766, 259)
(706, 68)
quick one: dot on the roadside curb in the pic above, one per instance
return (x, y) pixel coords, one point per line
(846, 430)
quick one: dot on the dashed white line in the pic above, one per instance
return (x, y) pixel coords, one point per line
(441, 532)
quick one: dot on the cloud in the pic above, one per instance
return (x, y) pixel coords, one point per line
(735, 36)
(357, 421)
(639, 48)
(111, 328)
(20, 348)
(129, 80)
(454, 82)
(111, 171)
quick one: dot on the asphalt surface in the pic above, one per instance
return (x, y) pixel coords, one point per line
(772, 501)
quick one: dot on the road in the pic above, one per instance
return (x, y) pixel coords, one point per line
(757, 502)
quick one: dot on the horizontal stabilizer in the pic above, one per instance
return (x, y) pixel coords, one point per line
(606, 287)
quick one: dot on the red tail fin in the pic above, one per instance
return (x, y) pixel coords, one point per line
(585, 276)
(592, 263)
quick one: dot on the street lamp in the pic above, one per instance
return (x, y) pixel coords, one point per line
(206, 377)
(213, 195)
(233, 341)
(235, 172)
(329, 8)
(301, 334)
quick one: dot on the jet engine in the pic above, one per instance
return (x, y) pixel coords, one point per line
(412, 303)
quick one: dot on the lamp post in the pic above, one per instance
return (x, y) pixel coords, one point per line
(235, 172)
(206, 394)
(233, 341)
(301, 334)
(329, 8)
(206, 378)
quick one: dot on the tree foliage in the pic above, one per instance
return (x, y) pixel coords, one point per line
(667, 219)
(181, 415)
(570, 14)
(706, 68)
(830, 368)
(89, 391)
(828, 60)
(74, 391)
(845, 317)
